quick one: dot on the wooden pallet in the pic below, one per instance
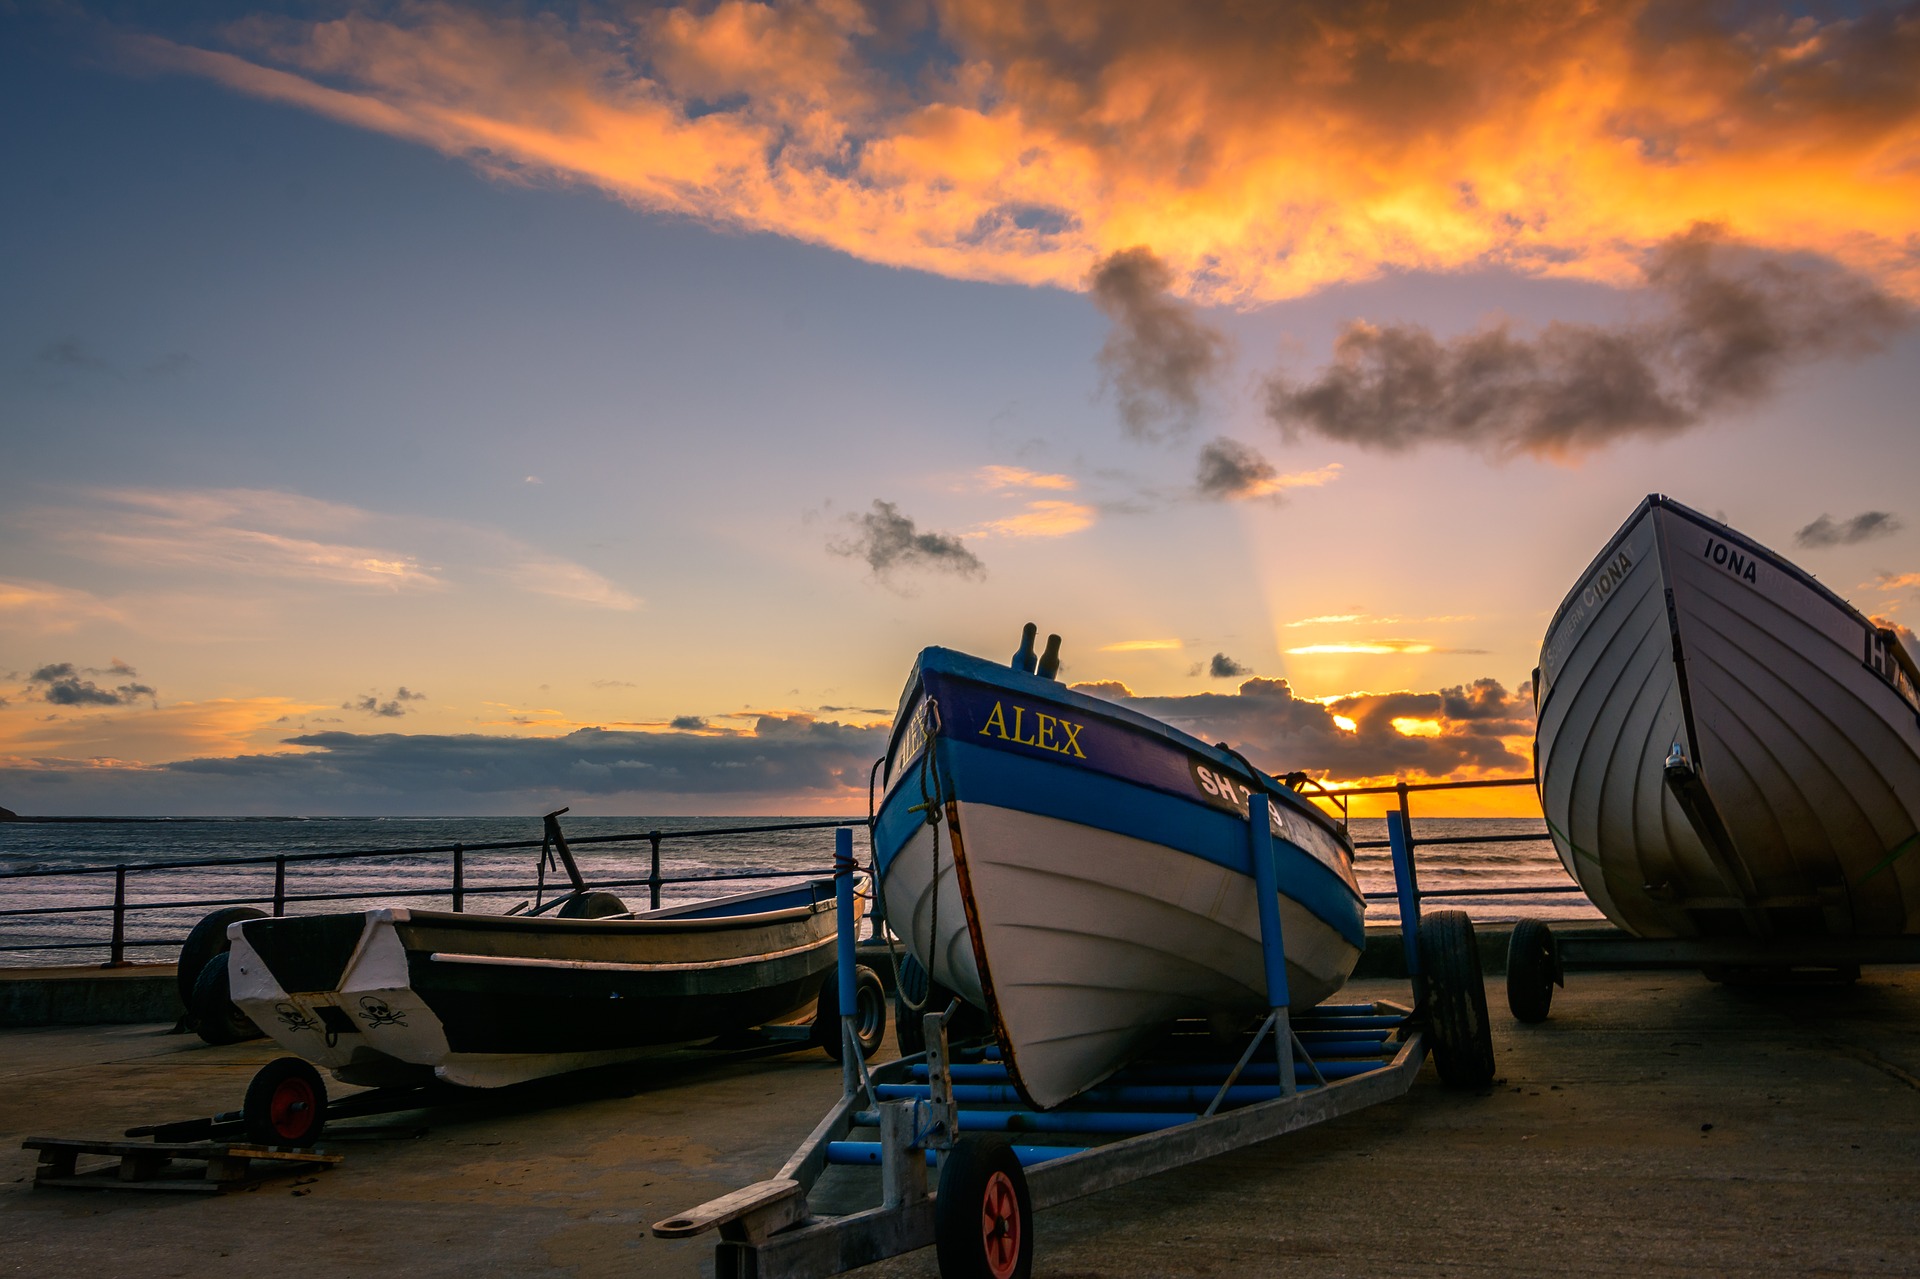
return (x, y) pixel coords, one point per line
(203, 1166)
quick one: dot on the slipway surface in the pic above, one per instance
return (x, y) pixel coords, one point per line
(1655, 1124)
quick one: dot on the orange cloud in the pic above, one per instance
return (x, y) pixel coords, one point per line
(219, 729)
(221, 530)
(1141, 646)
(1042, 518)
(50, 609)
(1002, 477)
(1375, 647)
(1262, 151)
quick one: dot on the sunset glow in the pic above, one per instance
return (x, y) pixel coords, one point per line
(1225, 143)
(436, 408)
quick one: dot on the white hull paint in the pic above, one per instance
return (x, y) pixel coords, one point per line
(376, 1024)
(400, 1040)
(1784, 703)
(1086, 944)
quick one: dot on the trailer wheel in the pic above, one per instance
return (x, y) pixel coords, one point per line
(869, 1013)
(1456, 1000)
(286, 1104)
(591, 905)
(215, 1018)
(1533, 970)
(983, 1216)
(208, 938)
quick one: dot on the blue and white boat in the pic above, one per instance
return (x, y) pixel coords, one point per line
(1088, 880)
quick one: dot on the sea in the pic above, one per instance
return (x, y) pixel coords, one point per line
(408, 861)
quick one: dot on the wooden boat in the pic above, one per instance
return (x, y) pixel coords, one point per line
(1726, 748)
(396, 996)
(1088, 881)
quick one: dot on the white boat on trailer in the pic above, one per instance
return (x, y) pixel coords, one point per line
(954, 1107)
(394, 996)
(1081, 872)
(398, 1000)
(1728, 753)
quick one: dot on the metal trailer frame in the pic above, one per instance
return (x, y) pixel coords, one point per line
(1370, 1053)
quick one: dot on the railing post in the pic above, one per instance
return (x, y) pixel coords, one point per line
(459, 878)
(280, 885)
(117, 951)
(1406, 886)
(653, 876)
(844, 952)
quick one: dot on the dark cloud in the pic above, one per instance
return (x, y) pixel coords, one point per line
(689, 723)
(1230, 469)
(1285, 733)
(64, 684)
(817, 765)
(784, 755)
(855, 710)
(889, 541)
(1867, 524)
(1159, 356)
(1224, 667)
(1732, 319)
(1111, 689)
(393, 708)
(72, 353)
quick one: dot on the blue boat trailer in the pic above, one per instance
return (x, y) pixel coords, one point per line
(994, 1162)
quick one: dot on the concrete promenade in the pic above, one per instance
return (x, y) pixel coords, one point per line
(1656, 1125)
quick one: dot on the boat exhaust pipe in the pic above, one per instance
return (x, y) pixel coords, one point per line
(1024, 659)
(1050, 660)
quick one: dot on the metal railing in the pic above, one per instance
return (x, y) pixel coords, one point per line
(1402, 790)
(120, 907)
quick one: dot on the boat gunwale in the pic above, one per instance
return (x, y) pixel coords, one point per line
(1727, 534)
(1122, 716)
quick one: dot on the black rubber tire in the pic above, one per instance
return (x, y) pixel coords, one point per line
(1456, 1002)
(286, 1104)
(870, 1013)
(591, 904)
(1533, 970)
(215, 1019)
(982, 1183)
(208, 938)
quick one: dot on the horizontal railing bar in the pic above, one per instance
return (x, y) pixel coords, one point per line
(269, 859)
(577, 840)
(1520, 890)
(765, 872)
(1521, 838)
(1417, 786)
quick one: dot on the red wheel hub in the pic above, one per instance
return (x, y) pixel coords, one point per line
(292, 1109)
(1000, 1226)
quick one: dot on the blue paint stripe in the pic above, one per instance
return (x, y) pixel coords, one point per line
(984, 775)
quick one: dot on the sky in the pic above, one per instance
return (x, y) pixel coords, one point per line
(423, 409)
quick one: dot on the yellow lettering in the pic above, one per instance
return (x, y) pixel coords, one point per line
(1044, 740)
(1073, 738)
(1019, 713)
(996, 720)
